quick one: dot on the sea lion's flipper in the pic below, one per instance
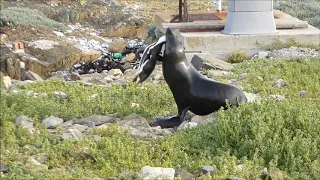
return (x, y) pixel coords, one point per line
(167, 122)
(183, 114)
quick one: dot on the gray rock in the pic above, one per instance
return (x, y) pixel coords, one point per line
(65, 124)
(95, 137)
(263, 54)
(25, 122)
(60, 95)
(234, 178)
(243, 76)
(185, 125)
(29, 75)
(42, 158)
(207, 169)
(112, 178)
(208, 62)
(108, 79)
(33, 165)
(72, 134)
(79, 127)
(143, 132)
(148, 173)
(4, 168)
(214, 73)
(96, 119)
(302, 93)
(264, 174)
(51, 122)
(280, 83)
(134, 120)
(252, 97)
(183, 174)
(115, 72)
(204, 119)
(75, 76)
(276, 97)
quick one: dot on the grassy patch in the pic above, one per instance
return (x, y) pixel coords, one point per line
(277, 135)
(17, 16)
(292, 43)
(304, 10)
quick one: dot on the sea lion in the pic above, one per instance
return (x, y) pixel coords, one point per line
(191, 90)
(149, 58)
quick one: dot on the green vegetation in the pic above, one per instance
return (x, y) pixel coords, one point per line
(16, 16)
(292, 43)
(304, 10)
(277, 135)
(237, 57)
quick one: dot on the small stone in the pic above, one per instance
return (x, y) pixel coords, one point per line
(79, 127)
(185, 125)
(75, 76)
(51, 122)
(33, 165)
(65, 124)
(264, 174)
(130, 57)
(280, 83)
(234, 178)
(102, 127)
(95, 137)
(25, 122)
(183, 174)
(263, 54)
(127, 66)
(115, 72)
(302, 93)
(42, 158)
(94, 96)
(243, 76)
(60, 95)
(275, 174)
(148, 173)
(108, 79)
(135, 121)
(239, 168)
(276, 97)
(252, 97)
(207, 169)
(112, 178)
(204, 119)
(6, 81)
(4, 168)
(96, 119)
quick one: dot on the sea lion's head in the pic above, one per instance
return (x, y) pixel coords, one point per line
(174, 47)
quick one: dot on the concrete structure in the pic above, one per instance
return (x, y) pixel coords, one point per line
(210, 39)
(250, 17)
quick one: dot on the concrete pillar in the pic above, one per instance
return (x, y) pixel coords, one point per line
(250, 17)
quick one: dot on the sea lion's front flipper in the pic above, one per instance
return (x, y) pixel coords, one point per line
(167, 122)
(171, 121)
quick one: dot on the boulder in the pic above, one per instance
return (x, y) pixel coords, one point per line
(128, 31)
(44, 56)
(148, 173)
(29, 75)
(117, 46)
(200, 61)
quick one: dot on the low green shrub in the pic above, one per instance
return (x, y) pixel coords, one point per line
(276, 135)
(237, 56)
(17, 16)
